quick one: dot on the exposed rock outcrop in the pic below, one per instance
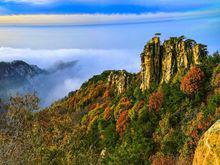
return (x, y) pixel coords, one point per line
(208, 149)
(162, 63)
(120, 80)
(151, 63)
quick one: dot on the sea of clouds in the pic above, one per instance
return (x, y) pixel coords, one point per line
(80, 65)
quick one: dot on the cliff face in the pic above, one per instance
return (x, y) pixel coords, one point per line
(162, 63)
(120, 80)
(208, 149)
(151, 63)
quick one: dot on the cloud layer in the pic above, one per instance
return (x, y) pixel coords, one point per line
(58, 84)
(99, 19)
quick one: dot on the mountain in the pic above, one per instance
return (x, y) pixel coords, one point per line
(156, 116)
(16, 74)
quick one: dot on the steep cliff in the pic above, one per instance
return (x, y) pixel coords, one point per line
(208, 149)
(151, 63)
(120, 80)
(163, 63)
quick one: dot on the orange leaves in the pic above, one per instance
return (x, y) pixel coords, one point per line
(156, 101)
(124, 104)
(192, 82)
(122, 123)
(106, 94)
(107, 113)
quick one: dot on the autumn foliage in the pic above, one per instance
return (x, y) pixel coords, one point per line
(163, 160)
(156, 101)
(122, 123)
(192, 82)
(107, 113)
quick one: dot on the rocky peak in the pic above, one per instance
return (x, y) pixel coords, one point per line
(151, 63)
(163, 62)
(119, 80)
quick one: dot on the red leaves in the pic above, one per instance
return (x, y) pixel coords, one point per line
(93, 106)
(192, 82)
(162, 160)
(156, 101)
(126, 103)
(122, 123)
(140, 105)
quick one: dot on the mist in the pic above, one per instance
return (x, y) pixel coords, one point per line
(67, 69)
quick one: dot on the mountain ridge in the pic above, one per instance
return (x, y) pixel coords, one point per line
(112, 120)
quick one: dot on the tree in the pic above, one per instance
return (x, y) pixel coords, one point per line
(181, 38)
(122, 123)
(19, 110)
(157, 34)
(156, 101)
(18, 129)
(192, 82)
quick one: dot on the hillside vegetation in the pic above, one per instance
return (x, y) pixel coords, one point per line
(154, 117)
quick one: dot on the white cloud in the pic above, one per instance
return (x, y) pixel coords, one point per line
(101, 58)
(90, 19)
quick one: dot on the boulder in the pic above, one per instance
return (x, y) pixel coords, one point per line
(208, 149)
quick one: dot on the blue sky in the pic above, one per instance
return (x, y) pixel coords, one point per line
(93, 12)
(111, 23)
(103, 6)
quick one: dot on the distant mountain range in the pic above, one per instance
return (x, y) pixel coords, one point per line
(16, 74)
(21, 77)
